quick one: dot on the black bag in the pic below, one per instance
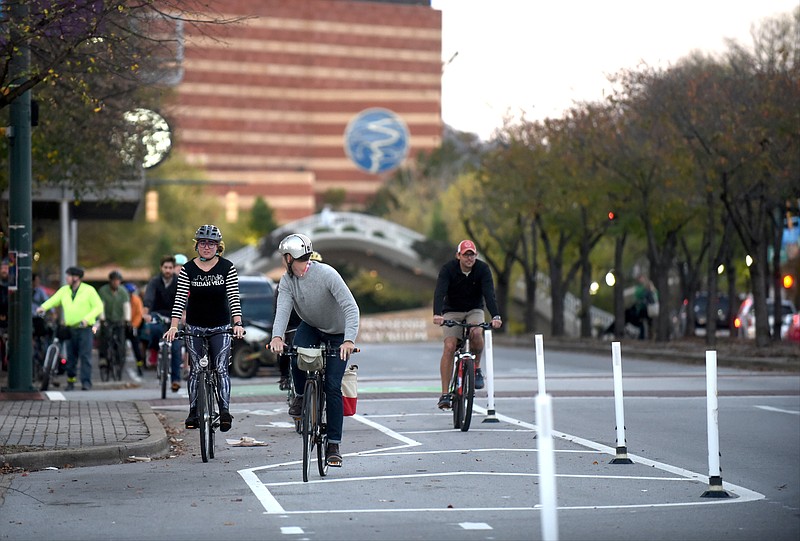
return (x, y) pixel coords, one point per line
(63, 333)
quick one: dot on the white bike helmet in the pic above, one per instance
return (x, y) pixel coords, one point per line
(296, 245)
(208, 232)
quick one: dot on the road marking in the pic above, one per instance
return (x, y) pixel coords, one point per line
(474, 525)
(55, 396)
(770, 408)
(272, 506)
(291, 530)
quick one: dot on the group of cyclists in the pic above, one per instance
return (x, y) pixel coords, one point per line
(312, 301)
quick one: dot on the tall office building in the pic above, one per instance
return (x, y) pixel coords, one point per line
(308, 99)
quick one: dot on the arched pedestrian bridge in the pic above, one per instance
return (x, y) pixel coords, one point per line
(347, 237)
(389, 249)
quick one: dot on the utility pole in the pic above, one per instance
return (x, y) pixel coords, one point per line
(20, 369)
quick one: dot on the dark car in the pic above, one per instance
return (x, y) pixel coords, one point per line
(700, 308)
(257, 295)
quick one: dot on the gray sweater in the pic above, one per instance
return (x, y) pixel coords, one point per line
(321, 299)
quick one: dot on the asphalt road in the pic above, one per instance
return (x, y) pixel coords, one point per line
(409, 475)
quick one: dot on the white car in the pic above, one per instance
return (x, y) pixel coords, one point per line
(745, 321)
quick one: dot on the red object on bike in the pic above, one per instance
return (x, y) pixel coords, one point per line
(350, 390)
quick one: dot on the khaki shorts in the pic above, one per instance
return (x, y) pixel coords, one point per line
(473, 316)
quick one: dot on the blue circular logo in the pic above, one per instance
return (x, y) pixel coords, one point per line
(376, 140)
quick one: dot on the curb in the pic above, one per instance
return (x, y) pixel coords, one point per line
(155, 444)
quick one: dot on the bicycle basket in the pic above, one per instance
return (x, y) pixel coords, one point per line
(310, 359)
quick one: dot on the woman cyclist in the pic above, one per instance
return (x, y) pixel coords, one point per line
(208, 290)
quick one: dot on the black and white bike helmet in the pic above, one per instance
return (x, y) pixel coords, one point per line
(296, 245)
(208, 232)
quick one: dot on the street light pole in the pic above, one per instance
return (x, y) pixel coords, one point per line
(20, 369)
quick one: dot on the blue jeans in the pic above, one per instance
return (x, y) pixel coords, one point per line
(79, 348)
(307, 336)
(157, 330)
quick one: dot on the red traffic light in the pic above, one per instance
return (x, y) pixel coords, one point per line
(612, 216)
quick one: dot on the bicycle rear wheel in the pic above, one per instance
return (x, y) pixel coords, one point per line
(49, 366)
(163, 368)
(467, 394)
(308, 422)
(203, 416)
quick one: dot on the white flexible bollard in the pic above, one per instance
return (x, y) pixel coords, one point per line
(540, 364)
(488, 356)
(715, 489)
(547, 468)
(619, 410)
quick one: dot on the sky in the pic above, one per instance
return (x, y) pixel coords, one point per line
(503, 57)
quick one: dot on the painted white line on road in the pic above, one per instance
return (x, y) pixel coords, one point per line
(474, 525)
(272, 506)
(292, 530)
(778, 410)
(55, 396)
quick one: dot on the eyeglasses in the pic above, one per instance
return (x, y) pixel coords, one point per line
(207, 243)
(469, 254)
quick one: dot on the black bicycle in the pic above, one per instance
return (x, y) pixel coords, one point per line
(313, 420)
(53, 364)
(114, 338)
(207, 392)
(462, 385)
(164, 359)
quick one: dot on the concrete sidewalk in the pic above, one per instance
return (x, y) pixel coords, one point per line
(37, 433)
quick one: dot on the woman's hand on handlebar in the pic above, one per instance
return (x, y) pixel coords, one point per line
(276, 345)
(438, 320)
(169, 336)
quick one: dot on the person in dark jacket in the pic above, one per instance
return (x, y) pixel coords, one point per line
(463, 285)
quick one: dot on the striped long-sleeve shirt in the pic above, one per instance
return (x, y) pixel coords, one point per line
(211, 299)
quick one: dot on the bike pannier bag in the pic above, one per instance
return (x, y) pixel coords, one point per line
(309, 359)
(350, 390)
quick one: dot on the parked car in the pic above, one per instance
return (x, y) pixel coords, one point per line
(745, 322)
(700, 308)
(793, 334)
(257, 295)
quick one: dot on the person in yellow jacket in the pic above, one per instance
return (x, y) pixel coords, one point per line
(81, 305)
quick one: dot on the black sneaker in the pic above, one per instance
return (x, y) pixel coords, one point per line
(478, 379)
(444, 402)
(225, 420)
(332, 456)
(192, 421)
(296, 409)
(283, 383)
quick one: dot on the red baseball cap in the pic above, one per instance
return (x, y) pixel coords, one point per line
(466, 246)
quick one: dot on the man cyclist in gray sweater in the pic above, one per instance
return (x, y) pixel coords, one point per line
(329, 314)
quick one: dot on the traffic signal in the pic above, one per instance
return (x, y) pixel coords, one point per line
(788, 281)
(612, 216)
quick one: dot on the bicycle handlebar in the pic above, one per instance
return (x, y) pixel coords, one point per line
(183, 333)
(293, 349)
(453, 323)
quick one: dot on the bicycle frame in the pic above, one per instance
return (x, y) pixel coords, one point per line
(462, 383)
(207, 392)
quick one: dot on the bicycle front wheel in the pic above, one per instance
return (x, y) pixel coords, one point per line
(322, 435)
(467, 394)
(456, 390)
(163, 368)
(118, 356)
(49, 366)
(308, 422)
(204, 416)
(213, 417)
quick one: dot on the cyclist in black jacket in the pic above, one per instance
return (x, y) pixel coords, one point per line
(464, 283)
